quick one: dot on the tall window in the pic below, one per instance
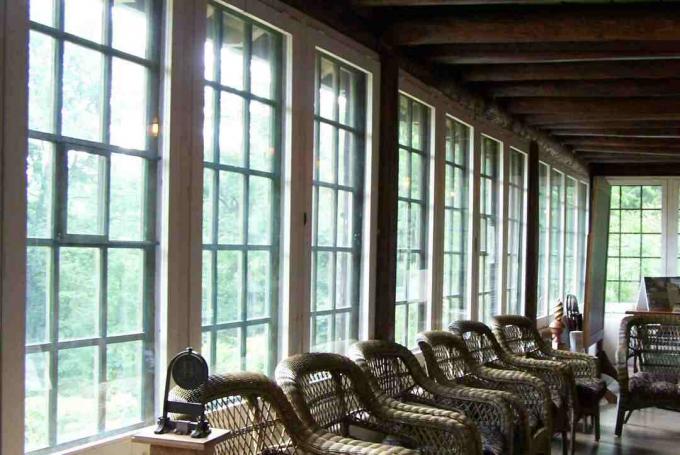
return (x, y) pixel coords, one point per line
(635, 239)
(91, 173)
(571, 279)
(582, 237)
(543, 218)
(338, 191)
(456, 221)
(555, 284)
(241, 183)
(516, 225)
(489, 229)
(410, 309)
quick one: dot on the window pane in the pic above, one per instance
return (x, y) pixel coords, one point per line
(230, 208)
(41, 82)
(123, 384)
(228, 351)
(39, 174)
(42, 11)
(263, 63)
(258, 285)
(257, 344)
(37, 402)
(83, 92)
(208, 205)
(77, 387)
(85, 18)
(86, 197)
(131, 26)
(262, 150)
(516, 231)
(38, 286)
(128, 105)
(231, 56)
(229, 286)
(125, 295)
(260, 193)
(556, 236)
(231, 129)
(126, 211)
(79, 285)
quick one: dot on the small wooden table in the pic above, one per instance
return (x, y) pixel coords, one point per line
(174, 444)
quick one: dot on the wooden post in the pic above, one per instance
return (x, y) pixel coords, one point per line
(533, 241)
(385, 282)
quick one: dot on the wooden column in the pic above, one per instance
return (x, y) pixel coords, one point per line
(388, 187)
(13, 140)
(533, 237)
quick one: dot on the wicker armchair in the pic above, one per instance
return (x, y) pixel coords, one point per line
(396, 372)
(330, 392)
(518, 336)
(450, 363)
(652, 342)
(263, 422)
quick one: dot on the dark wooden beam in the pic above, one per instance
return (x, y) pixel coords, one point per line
(639, 69)
(550, 120)
(540, 24)
(620, 151)
(626, 170)
(632, 160)
(618, 132)
(499, 53)
(532, 233)
(606, 88)
(630, 142)
(613, 123)
(379, 3)
(388, 176)
(605, 106)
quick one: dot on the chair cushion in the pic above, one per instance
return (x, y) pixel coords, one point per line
(655, 385)
(590, 391)
(493, 441)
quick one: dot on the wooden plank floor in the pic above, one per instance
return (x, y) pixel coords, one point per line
(648, 432)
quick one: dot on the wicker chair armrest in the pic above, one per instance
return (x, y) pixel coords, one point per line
(532, 391)
(558, 376)
(483, 406)
(434, 429)
(582, 364)
(322, 442)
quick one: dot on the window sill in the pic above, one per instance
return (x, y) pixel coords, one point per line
(97, 446)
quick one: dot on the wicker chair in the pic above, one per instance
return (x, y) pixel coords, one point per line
(485, 350)
(396, 372)
(518, 335)
(263, 422)
(652, 341)
(450, 363)
(330, 392)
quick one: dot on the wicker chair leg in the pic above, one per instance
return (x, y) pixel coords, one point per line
(572, 436)
(596, 424)
(565, 443)
(620, 412)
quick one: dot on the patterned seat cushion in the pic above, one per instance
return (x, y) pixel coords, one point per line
(664, 386)
(493, 440)
(590, 391)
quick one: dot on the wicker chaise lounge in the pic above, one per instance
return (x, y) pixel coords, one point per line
(395, 370)
(330, 392)
(519, 336)
(262, 421)
(449, 363)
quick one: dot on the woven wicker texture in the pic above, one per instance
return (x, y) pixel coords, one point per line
(449, 362)
(262, 421)
(396, 372)
(331, 392)
(649, 353)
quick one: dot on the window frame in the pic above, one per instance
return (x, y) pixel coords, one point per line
(522, 225)
(60, 238)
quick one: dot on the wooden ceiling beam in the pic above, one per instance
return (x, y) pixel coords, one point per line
(619, 132)
(603, 89)
(603, 106)
(551, 120)
(383, 3)
(638, 69)
(611, 124)
(626, 143)
(540, 24)
(498, 53)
